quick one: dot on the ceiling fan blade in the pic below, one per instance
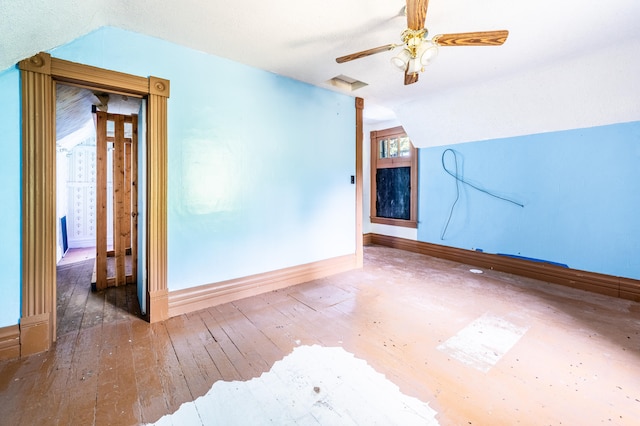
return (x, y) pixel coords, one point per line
(362, 54)
(410, 77)
(416, 13)
(482, 38)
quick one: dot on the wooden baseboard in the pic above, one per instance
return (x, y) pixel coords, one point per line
(9, 342)
(157, 305)
(204, 296)
(629, 289)
(34, 334)
(624, 288)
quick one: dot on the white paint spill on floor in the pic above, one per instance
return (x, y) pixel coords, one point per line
(313, 385)
(482, 343)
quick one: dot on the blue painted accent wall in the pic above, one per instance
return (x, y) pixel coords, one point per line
(259, 165)
(579, 189)
(10, 195)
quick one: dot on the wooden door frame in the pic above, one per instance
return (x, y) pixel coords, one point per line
(39, 75)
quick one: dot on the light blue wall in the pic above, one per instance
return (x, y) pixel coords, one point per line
(10, 195)
(259, 165)
(579, 189)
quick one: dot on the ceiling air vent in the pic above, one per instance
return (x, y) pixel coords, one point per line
(346, 83)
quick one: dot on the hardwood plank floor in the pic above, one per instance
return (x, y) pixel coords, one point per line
(575, 361)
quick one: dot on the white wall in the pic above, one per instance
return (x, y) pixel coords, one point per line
(62, 164)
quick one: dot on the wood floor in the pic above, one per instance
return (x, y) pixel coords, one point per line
(575, 361)
(79, 308)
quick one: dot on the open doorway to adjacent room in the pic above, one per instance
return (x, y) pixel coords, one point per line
(97, 166)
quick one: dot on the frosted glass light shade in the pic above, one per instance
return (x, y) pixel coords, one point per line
(427, 52)
(401, 60)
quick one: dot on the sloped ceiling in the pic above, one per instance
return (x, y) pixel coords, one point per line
(551, 44)
(74, 107)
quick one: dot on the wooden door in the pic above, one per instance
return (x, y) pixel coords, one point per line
(116, 156)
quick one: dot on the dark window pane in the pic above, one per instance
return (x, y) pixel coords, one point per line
(393, 193)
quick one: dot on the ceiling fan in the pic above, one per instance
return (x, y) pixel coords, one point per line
(418, 51)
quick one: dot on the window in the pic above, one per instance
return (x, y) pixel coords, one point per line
(394, 176)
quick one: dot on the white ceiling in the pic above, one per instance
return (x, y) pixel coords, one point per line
(300, 39)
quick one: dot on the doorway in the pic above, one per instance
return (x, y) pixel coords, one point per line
(97, 154)
(39, 74)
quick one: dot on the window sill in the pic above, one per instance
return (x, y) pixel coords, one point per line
(395, 222)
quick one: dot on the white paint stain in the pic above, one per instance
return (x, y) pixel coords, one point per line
(483, 342)
(313, 385)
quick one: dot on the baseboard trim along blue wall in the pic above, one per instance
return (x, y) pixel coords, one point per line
(621, 287)
(565, 197)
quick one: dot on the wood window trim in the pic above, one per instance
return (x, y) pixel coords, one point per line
(39, 75)
(376, 163)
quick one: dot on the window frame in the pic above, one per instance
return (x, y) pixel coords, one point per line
(393, 162)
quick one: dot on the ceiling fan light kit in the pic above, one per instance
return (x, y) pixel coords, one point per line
(418, 51)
